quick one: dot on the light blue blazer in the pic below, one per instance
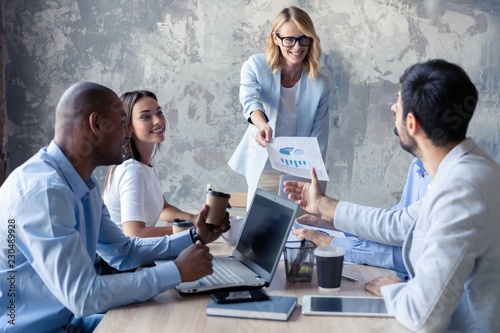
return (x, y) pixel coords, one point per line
(260, 90)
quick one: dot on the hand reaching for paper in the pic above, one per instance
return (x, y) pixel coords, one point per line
(305, 194)
(310, 198)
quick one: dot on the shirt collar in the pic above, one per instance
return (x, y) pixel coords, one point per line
(459, 150)
(419, 167)
(75, 182)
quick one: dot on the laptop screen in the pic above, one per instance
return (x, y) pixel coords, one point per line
(267, 225)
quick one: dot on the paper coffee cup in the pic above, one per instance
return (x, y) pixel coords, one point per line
(217, 203)
(181, 225)
(329, 265)
(231, 236)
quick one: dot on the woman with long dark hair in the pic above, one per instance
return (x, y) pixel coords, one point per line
(132, 190)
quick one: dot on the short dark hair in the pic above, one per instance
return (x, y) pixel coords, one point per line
(442, 97)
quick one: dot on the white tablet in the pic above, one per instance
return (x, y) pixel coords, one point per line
(344, 306)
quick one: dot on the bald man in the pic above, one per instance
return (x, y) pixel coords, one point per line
(53, 223)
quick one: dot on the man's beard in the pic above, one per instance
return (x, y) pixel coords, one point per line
(411, 146)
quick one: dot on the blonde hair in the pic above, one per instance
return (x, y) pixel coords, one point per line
(272, 52)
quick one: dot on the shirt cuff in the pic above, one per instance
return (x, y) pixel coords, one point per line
(346, 244)
(168, 275)
(338, 216)
(182, 240)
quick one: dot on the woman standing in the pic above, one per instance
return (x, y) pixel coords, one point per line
(282, 94)
(132, 190)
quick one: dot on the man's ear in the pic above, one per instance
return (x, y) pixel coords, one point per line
(94, 122)
(412, 124)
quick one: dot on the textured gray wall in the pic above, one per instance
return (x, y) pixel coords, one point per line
(3, 150)
(190, 54)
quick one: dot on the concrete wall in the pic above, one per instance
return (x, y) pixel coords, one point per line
(3, 148)
(190, 53)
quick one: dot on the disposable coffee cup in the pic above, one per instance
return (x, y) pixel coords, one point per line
(217, 203)
(329, 264)
(181, 225)
(231, 236)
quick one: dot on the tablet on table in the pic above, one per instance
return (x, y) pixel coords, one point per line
(362, 306)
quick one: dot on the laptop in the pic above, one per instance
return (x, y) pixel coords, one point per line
(257, 253)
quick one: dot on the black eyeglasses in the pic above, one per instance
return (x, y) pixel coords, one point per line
(291, 41)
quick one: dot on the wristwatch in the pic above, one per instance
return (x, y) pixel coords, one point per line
(195, 237)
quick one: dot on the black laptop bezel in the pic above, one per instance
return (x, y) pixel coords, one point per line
(265, 275)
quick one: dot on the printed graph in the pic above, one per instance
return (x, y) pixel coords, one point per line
(292, 162)
(296, 156)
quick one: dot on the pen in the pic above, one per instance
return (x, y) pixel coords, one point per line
(350, 278)
(299, 260)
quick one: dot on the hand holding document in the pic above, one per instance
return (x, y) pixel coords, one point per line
(297, 156)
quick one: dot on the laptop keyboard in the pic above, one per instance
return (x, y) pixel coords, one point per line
(221, 275)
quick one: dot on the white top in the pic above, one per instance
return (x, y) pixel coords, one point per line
(286, 123)
(134, 194)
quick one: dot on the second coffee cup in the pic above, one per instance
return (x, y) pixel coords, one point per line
(180, 225)
(217, 203)
(231, 236)
(329, 264)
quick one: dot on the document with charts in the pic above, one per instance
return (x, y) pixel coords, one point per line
(296, 156)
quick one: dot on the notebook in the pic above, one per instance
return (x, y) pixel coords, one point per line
(275, 308)
(257, 253)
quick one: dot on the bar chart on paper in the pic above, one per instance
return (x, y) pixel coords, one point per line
(296, 156)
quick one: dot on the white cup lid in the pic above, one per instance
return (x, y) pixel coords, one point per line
(329, 251)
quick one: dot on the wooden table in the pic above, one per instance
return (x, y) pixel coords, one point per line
(172, 312)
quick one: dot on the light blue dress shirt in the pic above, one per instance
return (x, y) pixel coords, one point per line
(361, 251)
(52, 224)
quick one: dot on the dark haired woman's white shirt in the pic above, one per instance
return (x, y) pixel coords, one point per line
(134, 194)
